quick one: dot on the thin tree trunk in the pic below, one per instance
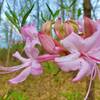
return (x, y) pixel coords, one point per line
(87, 8)
(62, 10)
(9, 46)
(38, 9)
(1, 6)
(87, 12)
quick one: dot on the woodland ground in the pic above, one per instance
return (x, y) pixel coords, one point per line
(49, 86)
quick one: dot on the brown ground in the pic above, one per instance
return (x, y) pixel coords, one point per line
(47, 86)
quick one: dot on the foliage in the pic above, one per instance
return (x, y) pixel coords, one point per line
(15, 19)
(72, 95)
(14, 95)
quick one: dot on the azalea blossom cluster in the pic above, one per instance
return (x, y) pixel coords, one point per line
(72, 45)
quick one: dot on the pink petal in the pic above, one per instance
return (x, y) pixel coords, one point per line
(18, 56)
(84, 70)
(36, 68)
(46, 57)
(30, 49)
(14, 68)
(68, 65)
(95, 53)
(89, 26)
(68, 28)
(57, 27)
(92, 41)
(21, 77)
(67, 58)
(48, 43)
(73, 42)
(29, 31)
(78, 64)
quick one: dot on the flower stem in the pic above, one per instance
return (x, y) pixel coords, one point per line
(91, 95)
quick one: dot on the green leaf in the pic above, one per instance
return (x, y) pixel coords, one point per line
(56, 13)
(26, 16)
(14, 15)
(21, 13)
(51, 12)
(10, 18)
(73, 3)
(43, 17)
(15, 95)
(79, 12)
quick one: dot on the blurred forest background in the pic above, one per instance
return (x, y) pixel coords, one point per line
(16, 13)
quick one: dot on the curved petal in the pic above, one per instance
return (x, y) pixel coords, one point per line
(18, 56)
(84, 70)
(92, 41)
(29, 31)
(67, 28)
(30, 50)
(57, 28)
(48, 43)
(67, 58)
(89, 26)
(78, 64)
(73, 42)
(95, 54)
(67, 66)
(21, 77)
(36, 68)
(14, 68)
(46, 57)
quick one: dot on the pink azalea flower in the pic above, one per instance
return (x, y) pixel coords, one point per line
(62, 29)
(31, 65)
(49, 45)
(84, 55)
(30, 32)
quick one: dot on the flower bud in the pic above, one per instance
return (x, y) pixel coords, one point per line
(46, 27)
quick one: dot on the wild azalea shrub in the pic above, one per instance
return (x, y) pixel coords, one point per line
(72, 45)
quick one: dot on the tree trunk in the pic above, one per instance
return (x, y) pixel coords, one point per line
(62, 10)
(87, 8)
(38, 10)
(87, 12)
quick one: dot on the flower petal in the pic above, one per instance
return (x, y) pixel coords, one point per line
(78, 64)
(73, 42)
(46, 57)
(69, 65)
(92, 41)
(30, 49)
(29, 31)
(67, 58)
(67, 28)
(21, 77)
(84, 70)
(46, 27)
(18, 56)
(58, 28)
(89, 26)
(95, 53)
(48, 43)
(36, 68)
(14, 68)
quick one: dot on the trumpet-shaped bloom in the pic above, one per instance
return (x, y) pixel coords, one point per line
(29, 32)
(84, 54)
(46, 27)
(31, 65)
(49, 45)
